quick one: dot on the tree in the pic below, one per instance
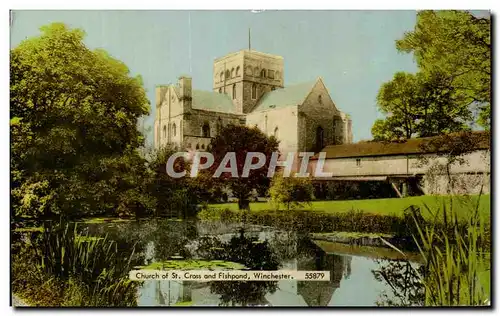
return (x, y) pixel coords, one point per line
(174, 196)
(74, 129)
(242, 140)
(396, 99)
(419, 105)
(290, 191)
(458, 45)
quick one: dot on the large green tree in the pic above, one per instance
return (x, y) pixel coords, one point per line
(74, 133)
(242, 140)
(456, 44)
(419, 105)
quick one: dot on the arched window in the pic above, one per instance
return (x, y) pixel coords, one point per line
(203, 146)
(220, 90)
(276, 130)
(164, 131)
(320, 100)
(238, 71)
(197, 146)
(234, 91)
(319, 138)
(205, 130)
(228, 74)
(232, 73)
(174, 129)
(254, 91)
(263, 73)
(221, 76)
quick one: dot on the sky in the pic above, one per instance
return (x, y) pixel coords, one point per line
(353, 52)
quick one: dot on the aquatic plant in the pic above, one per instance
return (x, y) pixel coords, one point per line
(455, 257)
(82, 270)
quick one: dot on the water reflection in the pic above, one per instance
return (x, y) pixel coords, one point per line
(402, 277)
(357, 279)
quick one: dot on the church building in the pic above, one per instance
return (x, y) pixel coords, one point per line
(249, 88)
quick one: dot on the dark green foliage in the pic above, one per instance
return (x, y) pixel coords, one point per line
(241, 140)
(173, 196)
(74, 148)
(254, 255)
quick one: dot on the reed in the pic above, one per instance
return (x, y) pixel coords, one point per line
(455, 256)
(87, 271)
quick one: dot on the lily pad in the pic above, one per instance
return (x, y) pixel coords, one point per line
(193, 265)
(28, 229)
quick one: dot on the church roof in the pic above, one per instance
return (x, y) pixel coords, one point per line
(291, 95)
(212, 101)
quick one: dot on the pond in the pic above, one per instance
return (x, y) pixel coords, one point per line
(360, 276)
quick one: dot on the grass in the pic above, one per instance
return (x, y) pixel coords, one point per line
(394, 206)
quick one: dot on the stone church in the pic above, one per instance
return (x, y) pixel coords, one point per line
(248, 88)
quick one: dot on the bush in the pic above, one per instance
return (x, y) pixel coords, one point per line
(291, 192)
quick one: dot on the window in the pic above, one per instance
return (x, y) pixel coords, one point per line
(221, 76)
(174, 130)
(203, 146)
(238, 71)
(234, 91)
(320, 101)
(205, 130)
(197, 146)
(228, 74)
(358, 162)
(319, 138)
(276, 132)
(254, 91)
(263, 73)
(270, 74)
(220, 90)
(164, 131)
(256, 71)
(277, 77)
(232, 73)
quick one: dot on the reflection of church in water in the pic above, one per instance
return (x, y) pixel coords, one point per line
(288, 292)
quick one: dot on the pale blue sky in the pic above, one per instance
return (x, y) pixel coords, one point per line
(353, 51)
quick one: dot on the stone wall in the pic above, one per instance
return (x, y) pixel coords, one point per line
(282, 121)
(319, 110)
(242, 70)
(196, 119)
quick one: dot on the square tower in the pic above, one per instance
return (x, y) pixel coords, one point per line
(246, 75)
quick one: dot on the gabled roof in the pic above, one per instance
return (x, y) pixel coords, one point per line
(477, 140)
(212, 101)
(291, 95)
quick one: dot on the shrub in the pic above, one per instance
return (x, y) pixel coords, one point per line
(292, 192)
